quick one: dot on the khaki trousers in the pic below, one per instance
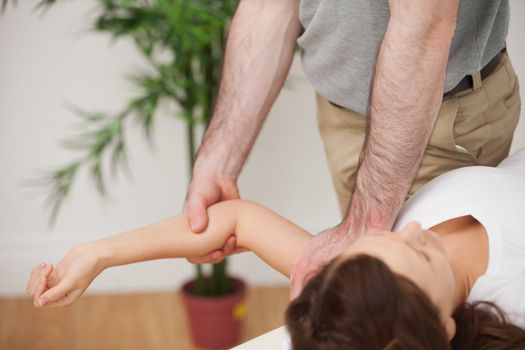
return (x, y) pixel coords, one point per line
(473, 127)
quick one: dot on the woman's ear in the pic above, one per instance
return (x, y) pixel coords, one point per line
(450, 327)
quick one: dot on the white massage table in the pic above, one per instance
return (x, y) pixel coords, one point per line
(273, 340)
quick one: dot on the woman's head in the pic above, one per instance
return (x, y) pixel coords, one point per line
(418, 255)
(392, 292)
(359, 303)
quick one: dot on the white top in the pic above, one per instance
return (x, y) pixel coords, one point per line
(496, 198)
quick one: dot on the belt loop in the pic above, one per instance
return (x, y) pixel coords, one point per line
(476, 81)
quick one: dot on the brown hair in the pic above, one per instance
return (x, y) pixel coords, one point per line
(359, 303)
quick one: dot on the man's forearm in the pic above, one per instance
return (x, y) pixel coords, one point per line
(259, 52)
(405, 100)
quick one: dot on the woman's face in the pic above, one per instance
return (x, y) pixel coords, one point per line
(417, 254)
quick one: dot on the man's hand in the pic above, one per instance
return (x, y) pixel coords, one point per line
(406, 95)
(259, 52)
(319, 251)
(204, 191)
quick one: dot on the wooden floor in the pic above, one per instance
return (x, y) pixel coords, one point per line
(136, 321)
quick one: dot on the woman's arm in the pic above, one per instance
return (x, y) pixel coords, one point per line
(276, 240)
(273, 238)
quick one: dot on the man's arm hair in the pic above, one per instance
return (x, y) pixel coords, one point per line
(406, 95)
(258, 56)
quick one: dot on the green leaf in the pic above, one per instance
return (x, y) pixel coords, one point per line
(97, 175)
(183, 42)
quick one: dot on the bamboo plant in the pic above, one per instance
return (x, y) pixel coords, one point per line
(183, 41)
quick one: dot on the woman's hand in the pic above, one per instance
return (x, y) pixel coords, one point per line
(62, 285)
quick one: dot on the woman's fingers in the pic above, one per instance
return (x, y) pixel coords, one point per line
(39, 289)
(66, 300)
(59, 295)
(53, 278)
(40, 283)
(35, 277)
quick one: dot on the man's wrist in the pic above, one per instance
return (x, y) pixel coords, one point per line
(365, 216)
(343, 233)
(351, 232)
(217, 165)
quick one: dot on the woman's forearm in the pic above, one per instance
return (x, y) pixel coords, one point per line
(168, 238)
(273, 238)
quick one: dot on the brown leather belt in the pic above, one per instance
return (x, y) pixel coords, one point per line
(467, 82)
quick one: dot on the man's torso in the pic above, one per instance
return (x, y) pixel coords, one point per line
(341, 39)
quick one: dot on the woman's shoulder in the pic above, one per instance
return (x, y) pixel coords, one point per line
(498, 190)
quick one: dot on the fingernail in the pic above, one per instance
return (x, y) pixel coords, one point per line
(43, 301)
(195, 223)
(43, 265)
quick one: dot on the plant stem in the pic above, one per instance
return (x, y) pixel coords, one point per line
(190, 130)
(199, 285)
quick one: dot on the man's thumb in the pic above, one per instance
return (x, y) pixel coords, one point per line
(296, 282)
(197, 216)
(295, 290)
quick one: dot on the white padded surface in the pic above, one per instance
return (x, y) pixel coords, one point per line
(276, 339)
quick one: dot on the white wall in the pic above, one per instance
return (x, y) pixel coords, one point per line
(49, 61)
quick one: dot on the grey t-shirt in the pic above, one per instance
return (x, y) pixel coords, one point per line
(341, 40)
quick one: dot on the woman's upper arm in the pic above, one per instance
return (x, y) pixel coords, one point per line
(273, 238)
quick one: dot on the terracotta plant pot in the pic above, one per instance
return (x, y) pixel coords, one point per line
(215, 322)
